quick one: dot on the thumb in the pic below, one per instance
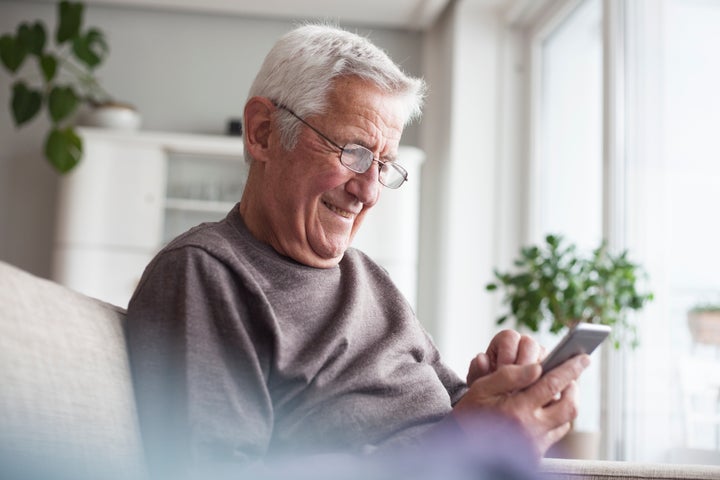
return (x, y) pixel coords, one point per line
(479, 367)
(511, 378)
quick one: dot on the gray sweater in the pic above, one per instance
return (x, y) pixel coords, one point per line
(238, 353)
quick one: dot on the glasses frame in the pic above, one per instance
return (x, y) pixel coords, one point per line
(397, 167)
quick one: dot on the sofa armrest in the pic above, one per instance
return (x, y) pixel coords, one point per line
(556, 468)
(67, 407)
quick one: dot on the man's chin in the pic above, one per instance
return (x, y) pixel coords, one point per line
(328, 256)
(321, 262)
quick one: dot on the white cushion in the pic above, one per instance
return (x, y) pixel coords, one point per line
(66, 401)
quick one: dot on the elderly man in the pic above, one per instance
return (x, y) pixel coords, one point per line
(266, 333)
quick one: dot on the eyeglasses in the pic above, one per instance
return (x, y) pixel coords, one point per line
(359, 159)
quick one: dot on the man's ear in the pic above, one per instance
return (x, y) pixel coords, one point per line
(258, 126)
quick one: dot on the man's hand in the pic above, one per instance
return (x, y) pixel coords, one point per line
(506, 348)
(544, 407)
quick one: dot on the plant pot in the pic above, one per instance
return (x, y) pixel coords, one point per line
(578, 445)
(705, 326)
(112, 115)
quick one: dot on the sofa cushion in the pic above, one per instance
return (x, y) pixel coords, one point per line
(563, 469)
(66, 401)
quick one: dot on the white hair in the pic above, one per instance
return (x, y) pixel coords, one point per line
(299, 71)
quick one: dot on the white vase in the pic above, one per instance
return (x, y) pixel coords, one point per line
(113, 115)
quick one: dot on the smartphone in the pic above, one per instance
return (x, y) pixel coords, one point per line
(582, 338)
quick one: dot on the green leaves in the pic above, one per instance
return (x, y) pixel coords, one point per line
(70, 15)
(25, 103)
(63, 148)
(48, 65)
(62, 101)
(553, 284)
(32, 37)
(12, 52)
(91, 48)
(29, 39)
(66, 77)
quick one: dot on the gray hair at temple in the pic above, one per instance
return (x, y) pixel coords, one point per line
(299, 71)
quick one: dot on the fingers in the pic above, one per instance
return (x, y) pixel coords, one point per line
(529, 351)
(503, 348)
(564, 407)
(521, 393)
(492, 392)
(479, 367)
(507, 348)
(557, 417)
(558, 379)
(509, 379)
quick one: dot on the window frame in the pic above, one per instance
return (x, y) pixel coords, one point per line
(546, 18)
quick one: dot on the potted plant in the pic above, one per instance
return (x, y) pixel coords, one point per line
(704, 323)
(66, 65)
(554, 286)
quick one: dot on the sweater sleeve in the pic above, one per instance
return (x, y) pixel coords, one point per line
(455, 386)
(199, 364)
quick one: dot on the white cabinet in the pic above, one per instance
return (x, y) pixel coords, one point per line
(135, 191)
(114, 213)
(200, 187)
(111, 189)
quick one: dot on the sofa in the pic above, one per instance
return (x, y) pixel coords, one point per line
(66, 398)
(67, 408)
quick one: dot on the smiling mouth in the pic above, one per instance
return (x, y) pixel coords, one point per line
(339, 211)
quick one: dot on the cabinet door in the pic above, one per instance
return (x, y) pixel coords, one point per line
(114, 197)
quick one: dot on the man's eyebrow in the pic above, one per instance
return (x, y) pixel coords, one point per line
(392, 157)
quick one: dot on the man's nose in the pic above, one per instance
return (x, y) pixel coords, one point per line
(366, 186)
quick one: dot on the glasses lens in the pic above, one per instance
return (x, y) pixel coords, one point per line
(392, 175)
(359, 159)
(356, 158)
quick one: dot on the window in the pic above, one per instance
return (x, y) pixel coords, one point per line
(567, 165)
(673, 176)
(626, 146)
(568, 130)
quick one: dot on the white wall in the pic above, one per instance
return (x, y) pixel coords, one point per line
(186, 72)
(472, 196)
(190, 72)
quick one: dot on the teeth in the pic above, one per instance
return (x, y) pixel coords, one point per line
(340, 212)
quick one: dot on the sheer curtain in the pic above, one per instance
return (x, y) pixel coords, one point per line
(662, 201)
(673, 195)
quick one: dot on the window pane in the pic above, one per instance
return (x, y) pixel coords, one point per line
(673, 406)
(671, 180)
(568, 182)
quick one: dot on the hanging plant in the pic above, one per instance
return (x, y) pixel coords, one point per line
(66, 65)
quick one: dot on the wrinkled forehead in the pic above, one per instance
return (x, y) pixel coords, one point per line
(357, 96)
